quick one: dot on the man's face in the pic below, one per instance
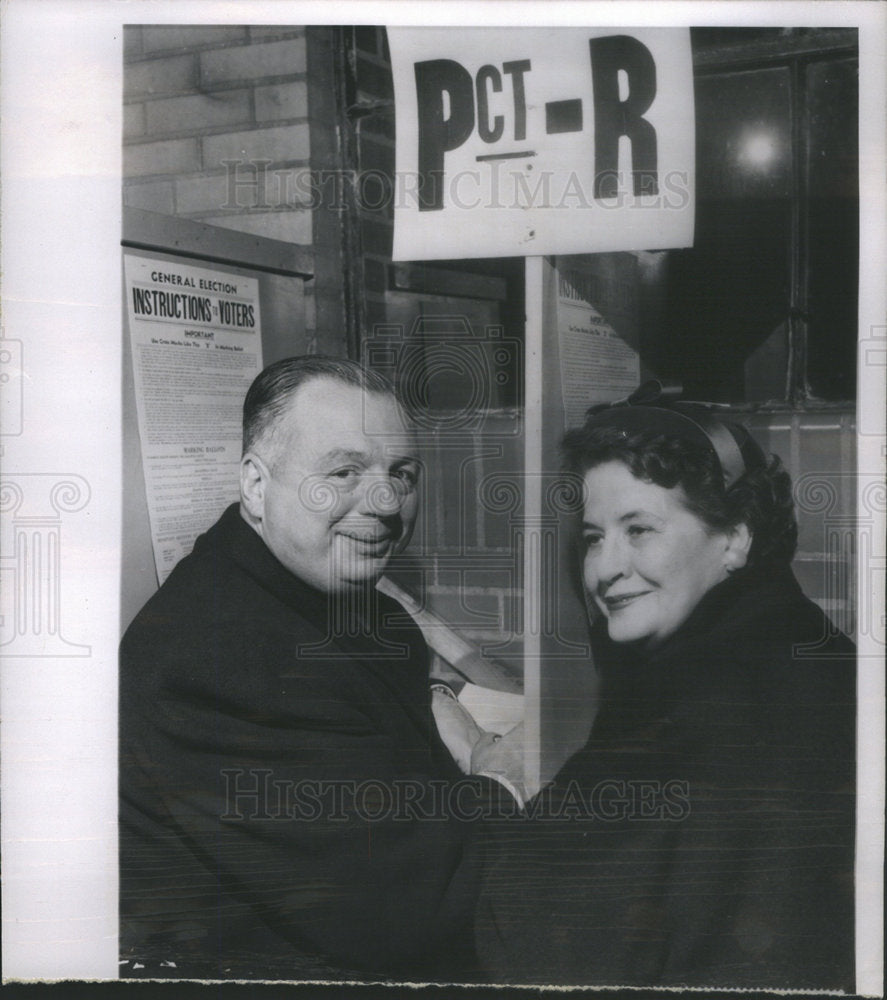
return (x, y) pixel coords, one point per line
(337, 493)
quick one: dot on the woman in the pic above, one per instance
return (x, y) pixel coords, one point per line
(704, 834)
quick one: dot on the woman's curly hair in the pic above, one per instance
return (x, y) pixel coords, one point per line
(761, 498)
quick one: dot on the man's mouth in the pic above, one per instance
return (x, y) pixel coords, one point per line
(616, 602)
(368, 541)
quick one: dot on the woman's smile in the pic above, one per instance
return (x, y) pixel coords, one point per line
(616, 602)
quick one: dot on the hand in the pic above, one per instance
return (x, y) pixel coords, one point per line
(503, 756)
(458, 730)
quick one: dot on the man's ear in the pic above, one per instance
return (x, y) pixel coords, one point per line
(254, 477)
(739, 540)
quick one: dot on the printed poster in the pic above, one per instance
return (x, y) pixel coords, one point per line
(597, 365)
(196, 347)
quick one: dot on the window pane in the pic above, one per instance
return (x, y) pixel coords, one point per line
(728, 297)
(743, 141)
(833, 179)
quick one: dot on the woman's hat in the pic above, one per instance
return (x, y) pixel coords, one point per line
(656, 406)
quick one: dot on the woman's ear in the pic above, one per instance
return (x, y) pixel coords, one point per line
(739, 540)
(253, 478)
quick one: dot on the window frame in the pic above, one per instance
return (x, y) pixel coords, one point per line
(794, 49)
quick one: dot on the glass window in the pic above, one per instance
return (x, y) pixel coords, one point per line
(833, 228)
(763, 307)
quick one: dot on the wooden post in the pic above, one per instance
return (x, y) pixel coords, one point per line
(560, 683)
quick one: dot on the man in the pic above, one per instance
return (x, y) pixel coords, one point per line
(284, 795)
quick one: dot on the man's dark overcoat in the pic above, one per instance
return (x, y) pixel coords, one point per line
(283, 790)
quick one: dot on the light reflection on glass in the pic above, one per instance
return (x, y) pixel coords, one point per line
(758, 149)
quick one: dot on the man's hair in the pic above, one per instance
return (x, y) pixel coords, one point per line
(272, 390)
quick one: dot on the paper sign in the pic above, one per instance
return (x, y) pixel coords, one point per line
(526, 141)
(196, 347)
(597, 365)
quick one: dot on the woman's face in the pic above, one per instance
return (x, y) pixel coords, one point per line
(648, 560)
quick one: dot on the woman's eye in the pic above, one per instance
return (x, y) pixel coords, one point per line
(591, 540)
(636, 530)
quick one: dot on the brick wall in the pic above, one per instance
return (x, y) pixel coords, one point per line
(222, 124)
(463, 560)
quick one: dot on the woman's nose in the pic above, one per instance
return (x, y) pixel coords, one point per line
(606, 563)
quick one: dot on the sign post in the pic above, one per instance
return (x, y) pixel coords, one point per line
(537, 142)
(533, 459)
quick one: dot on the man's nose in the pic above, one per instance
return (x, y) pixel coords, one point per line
(382, 496)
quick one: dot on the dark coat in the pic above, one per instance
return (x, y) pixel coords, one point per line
(704, 835)
(276, 756)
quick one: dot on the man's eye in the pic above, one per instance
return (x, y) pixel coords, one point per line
(591, 540)
(636, 530)
(346, 474)
(407, 476)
